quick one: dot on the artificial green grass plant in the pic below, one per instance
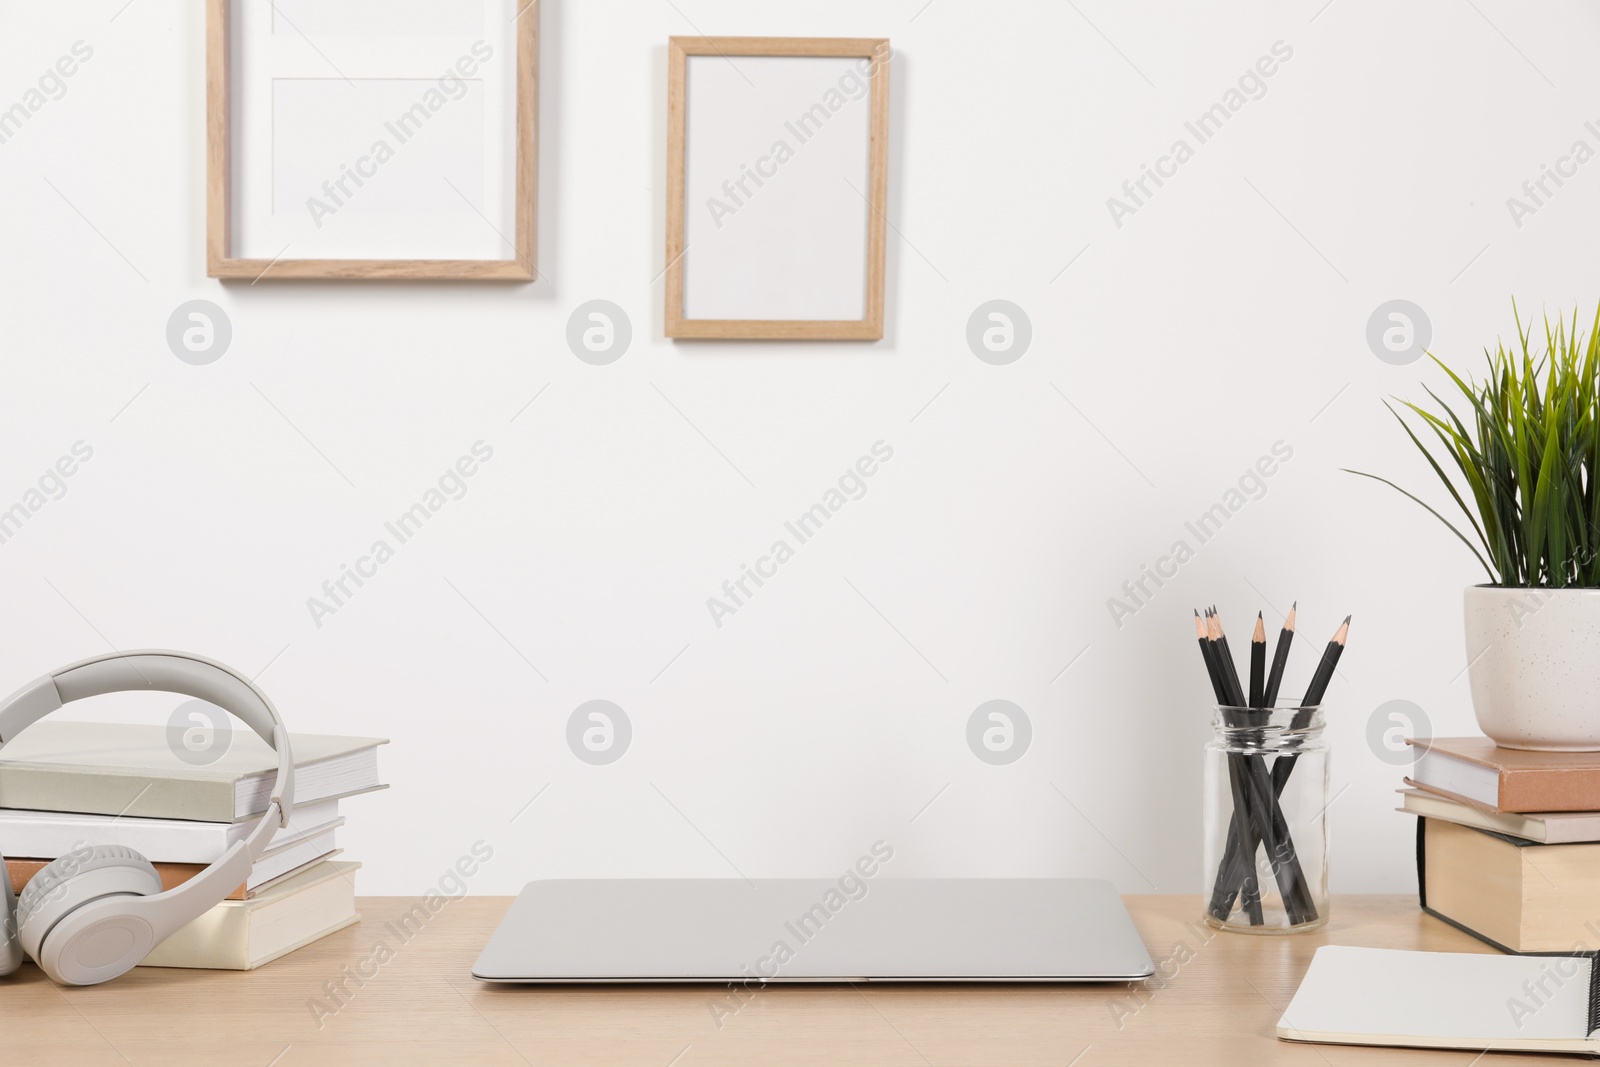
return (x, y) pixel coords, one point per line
(1527, 455)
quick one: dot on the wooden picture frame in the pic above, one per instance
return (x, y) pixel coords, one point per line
(221, 262)
(872, 56)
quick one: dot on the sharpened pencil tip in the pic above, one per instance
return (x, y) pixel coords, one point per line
(1347, 619)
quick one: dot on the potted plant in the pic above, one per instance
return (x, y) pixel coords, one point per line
(1525, 450)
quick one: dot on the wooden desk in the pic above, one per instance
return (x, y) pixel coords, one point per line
(1217, 1004)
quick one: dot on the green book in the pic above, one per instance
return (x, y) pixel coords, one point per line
(122, 769)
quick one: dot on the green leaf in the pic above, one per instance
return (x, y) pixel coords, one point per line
(1487, 569)
(1448, 484)
(1527, 453)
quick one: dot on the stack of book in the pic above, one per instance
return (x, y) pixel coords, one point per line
(68, 785)
(1508, 842)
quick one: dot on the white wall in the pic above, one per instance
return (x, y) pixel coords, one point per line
(1227, 314)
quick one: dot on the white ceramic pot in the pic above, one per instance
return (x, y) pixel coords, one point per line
(1533, 658)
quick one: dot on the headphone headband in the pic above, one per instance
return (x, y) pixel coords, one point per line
(156, 916)
(164, 671)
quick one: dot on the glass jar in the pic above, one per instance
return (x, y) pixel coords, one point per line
(1265, 821)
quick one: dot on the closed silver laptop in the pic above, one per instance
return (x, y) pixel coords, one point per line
(816, 930)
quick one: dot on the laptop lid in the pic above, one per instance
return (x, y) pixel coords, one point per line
(815, 930)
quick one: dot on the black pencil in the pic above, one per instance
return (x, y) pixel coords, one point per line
(1280, 658)
(1238, 869)
(1238, 878)
(1283, 766)
(1258, 663)
(1205, 656)
(1264, 824)
(1230, 674)
(1240, 846)
(1330, 660)
(1267, 821)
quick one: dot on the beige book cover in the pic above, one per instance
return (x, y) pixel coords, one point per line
(1520, 897)
(1545, 827)
(134, 770)
(241, 935)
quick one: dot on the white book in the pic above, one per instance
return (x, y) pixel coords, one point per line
(241, 935)
(135, 770)
(51, 834)
(1545, 827)
(276, 863)
(273, 866)
(1456, 1000)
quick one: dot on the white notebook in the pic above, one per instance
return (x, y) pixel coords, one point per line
(1381, 996)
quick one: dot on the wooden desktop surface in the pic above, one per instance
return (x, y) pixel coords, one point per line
(1216, 1000)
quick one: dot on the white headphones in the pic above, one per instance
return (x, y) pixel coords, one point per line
(94, 914)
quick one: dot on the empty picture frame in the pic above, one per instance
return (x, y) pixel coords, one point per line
(371, 139)
(777, 188)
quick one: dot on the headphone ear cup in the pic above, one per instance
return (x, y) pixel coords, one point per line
(74, 951)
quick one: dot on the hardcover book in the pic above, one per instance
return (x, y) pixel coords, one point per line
(274, 866)
(1478, 771)
(132, 771)
(1542, 827)
(241, 935)
(48, 834)
(1511, 893)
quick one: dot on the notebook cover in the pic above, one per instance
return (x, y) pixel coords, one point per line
(1529, 781)
(1444, 1000)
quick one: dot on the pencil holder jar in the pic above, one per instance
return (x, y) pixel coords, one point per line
(1265, 821)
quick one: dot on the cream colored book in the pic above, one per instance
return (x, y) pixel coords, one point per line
(1545, 827)
(241, 935)
(1390, 997)
(134, 771)
(1516, 895)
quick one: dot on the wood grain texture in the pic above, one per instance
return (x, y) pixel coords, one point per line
(220, 262)
(816, 47)
(219, 144)
(390, 270)
(1216, 1000)
(878, 191)
(527, 239)
(868, 328)
(677, 179)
